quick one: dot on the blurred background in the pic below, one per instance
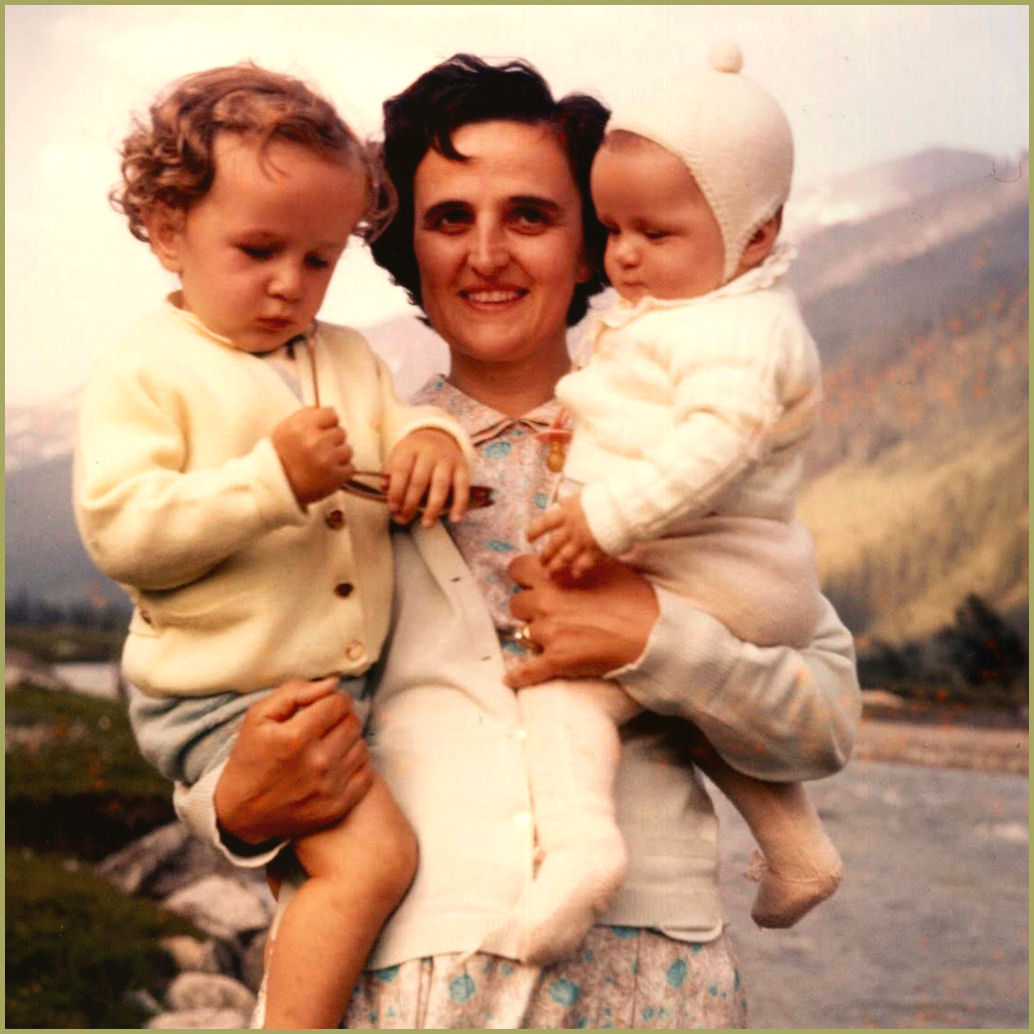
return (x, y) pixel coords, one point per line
(910, 214)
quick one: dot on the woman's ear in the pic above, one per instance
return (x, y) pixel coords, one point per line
(761, 242)
(165, 234)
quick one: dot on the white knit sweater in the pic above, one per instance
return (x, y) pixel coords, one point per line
(693, 407)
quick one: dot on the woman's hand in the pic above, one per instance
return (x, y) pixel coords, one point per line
(299, 764)
(584, 629)
(430, 463)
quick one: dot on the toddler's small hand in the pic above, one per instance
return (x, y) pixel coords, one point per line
(427, 463)
(314, 451)
(570, 547)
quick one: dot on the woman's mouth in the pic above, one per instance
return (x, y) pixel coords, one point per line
(493, 295)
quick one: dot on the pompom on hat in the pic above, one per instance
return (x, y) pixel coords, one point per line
(733, 136)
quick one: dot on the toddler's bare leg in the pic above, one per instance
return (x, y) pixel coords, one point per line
(801, 867)
(573, 750)
(359, 870)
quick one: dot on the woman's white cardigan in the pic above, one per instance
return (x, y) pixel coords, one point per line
(445, 734)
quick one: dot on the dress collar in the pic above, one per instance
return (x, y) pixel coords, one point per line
(482, 422)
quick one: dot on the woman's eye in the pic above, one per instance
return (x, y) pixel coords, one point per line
(451, 220)
(528, 218)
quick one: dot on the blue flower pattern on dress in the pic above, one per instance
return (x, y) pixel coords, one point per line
(622, 978)
(512, 462)
(564, 992)
(676, 973)
(462, 989)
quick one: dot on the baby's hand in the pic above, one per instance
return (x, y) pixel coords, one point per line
(314, 452)
(570, 546)
(428, 462)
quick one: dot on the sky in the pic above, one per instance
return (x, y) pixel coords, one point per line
(860, 84)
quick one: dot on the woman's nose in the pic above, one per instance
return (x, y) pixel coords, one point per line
(489, 252)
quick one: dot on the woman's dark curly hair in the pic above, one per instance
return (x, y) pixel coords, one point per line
(462, 90)
(168, 158)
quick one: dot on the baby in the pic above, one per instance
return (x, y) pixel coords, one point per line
(685, 460)
(212, 460)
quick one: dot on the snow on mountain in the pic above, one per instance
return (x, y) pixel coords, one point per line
(38, 432)
(866, 193)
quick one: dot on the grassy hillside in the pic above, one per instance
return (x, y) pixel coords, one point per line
(919, 470)
(903, 538)
(78, 950)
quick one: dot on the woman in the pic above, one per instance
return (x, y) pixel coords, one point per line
(495, 240)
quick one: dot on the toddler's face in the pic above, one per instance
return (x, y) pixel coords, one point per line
(662, 237)
(255, 255)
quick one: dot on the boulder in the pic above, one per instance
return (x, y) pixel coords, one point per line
(191, 991)
(23, 671)
(200, 1019)
(190, 954)
(162, 862)
(223, 906)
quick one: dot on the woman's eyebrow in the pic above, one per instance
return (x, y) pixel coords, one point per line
(449, 205)
(536, 202)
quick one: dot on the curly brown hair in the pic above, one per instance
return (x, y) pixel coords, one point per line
(168, 157)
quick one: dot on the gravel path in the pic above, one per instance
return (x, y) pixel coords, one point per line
(928, 929)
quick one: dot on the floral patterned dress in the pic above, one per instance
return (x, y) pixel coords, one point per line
(621, 977)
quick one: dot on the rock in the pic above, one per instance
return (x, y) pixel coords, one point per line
(223, 906)
(882, 698)
(190, 954)
(144, 1000)
(200, 1019)
(162, 862)
(22, 670)
(190, 991)
(253, 961)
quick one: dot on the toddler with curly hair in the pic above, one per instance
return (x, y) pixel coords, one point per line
(212, 462)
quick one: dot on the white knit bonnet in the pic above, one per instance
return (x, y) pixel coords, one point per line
(733, 136)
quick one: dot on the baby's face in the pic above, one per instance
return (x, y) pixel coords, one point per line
(662, 237)
(255, 255)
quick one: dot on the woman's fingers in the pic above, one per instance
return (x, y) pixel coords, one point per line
(295, 694)
(527, 571)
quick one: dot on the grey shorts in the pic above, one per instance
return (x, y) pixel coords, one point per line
(185, 737)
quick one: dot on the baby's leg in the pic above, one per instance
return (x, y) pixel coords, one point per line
(573, 750)
(756, 576)
(359, 870)
(801, 867)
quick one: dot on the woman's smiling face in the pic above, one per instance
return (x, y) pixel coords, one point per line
(498, 241)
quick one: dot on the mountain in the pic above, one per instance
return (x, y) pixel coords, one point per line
(34, 434)
(44, 560)
(913, 278)
(919, 471)
(858, 196)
